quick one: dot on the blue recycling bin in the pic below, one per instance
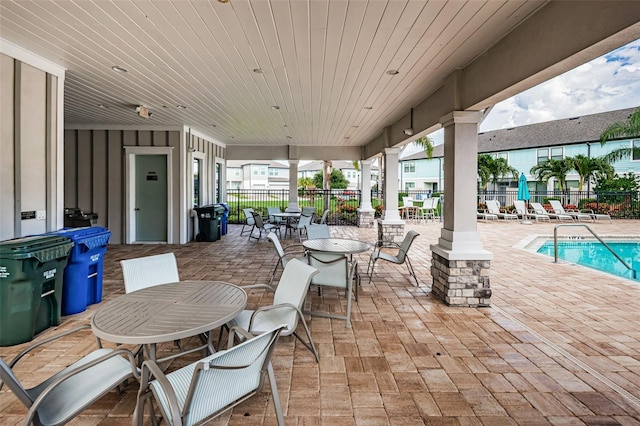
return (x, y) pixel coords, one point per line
(224, 220)
(82, 281)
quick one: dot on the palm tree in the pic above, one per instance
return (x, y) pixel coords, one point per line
(587, 167)
(622, 129)
(552, 168)
(426, 143)
(493, 169)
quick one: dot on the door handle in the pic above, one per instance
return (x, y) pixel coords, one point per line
(137, 209)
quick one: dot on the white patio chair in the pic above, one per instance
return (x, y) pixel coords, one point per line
(248, 219)
(276, 220)
(335, 270)
(554, 213)
(143, 272)
(302, 223)
(428, 209)
(284, 254)
(288, 299)
(63, 396)
(315, 231)
(399, 258)
(207, 388)
(262, 227)
(323, 219)
(308, 210)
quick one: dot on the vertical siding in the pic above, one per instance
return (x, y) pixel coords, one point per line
(32, 167)
(174, 142)
(115, 187)
(99, 192)
(7, 216)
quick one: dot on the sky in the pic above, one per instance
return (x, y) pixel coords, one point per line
(607, 83)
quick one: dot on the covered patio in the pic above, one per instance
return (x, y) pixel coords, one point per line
(559, 344)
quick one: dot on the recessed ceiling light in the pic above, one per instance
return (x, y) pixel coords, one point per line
(212, 125)
(165, 106)
(275, 107)
(223, 1)
(289, 137)
(284, 125)
(257, 70)
(368, 107)
(102, 106)
(116, 68)
(181, 106)
(393, 72)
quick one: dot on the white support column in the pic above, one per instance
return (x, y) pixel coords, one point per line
(391, 213)
(391, 226)
(366, 213)
(460, 267)
(293, 186)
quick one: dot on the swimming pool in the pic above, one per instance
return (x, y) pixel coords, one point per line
(595, 255)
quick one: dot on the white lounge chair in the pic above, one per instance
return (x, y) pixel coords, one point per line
(493, 207)
(555, 214)
(575, 214)
(538, 212)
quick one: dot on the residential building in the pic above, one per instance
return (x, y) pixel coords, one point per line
(348, 170)
(526, 146)
(257, 175)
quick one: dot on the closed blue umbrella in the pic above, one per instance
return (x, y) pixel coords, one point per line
(523, 189)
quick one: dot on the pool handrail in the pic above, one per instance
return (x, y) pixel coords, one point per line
(555, 245)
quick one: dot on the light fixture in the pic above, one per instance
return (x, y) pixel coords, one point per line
(212, 125)
(181, 106)
(223, 1)
(409, 131)
(102, 106)
(117, 68)
(393, 72)
(143, 111)
(258, 70)
(368, 107)
(289, 137)
(275, 107)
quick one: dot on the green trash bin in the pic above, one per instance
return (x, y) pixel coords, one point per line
(31, 272)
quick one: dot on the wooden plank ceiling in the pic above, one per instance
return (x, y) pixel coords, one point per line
(264, 72)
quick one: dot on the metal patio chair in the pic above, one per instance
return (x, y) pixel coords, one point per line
(284, 254)
(402, 256)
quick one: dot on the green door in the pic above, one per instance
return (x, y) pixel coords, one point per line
(151, 198)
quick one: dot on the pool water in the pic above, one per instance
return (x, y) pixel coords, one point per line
(595, 255)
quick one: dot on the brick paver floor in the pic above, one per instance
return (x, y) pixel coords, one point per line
(560, 344)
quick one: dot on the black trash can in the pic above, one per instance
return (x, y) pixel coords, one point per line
(76, 218)
(31, 276)
(209, 218)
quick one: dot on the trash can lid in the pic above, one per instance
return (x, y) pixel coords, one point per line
(27, 247)
(90, 236)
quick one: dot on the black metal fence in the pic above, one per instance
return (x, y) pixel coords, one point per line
(342, 204)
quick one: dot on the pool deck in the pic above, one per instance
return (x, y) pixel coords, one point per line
(560, 344)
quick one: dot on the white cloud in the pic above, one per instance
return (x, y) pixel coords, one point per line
(607, 83)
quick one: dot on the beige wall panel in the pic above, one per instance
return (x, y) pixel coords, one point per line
(129, 138)
(174, 142)
(70, 170)
(32, 122)
(84, 158)
(99, 176)
(115, 170)
(7, 189)
(53, 161)
(160, 138)
(144, 138)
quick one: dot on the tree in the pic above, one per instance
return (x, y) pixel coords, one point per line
(337, 180)
(306, 183)
(552, 168)
(622, 129)
(492, 169)
(425, 143)
(587, 167)
(614, 183)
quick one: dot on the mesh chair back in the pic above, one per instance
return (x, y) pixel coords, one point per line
(271, 211)
(276, 243)
(324, 217)
(248, 215)
(333, 269)
(149, 271)
(406, 245)
(317, 231)
(308, 210)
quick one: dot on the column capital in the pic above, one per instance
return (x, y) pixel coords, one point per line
(461, 117)
(391, 151)
(295, 162)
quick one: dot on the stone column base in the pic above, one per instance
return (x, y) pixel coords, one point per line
(366, 218)
(390, 232)
(462, 283)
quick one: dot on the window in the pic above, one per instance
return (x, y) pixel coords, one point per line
(504, 155)
(409, 166)
(409, 185)
(263, 170)
(273, 172)
(635, 156)
(543, 155)
(557, 153)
